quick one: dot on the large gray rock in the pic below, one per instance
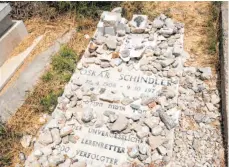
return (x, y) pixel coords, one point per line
(157, 23)
(87, 115)
(177, 50)
(166, 32)
(155, 141)
(206, 73)
(167, 120)
(110, 31)
(167, 62)
(56, 135)
(111, 43)
(156, 130)
(169, 23)
(152, 122)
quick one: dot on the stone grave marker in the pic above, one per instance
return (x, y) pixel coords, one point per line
(120, 106)
(11, 32)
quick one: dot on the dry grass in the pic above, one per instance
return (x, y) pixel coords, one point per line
(200, 38)
(195, 15)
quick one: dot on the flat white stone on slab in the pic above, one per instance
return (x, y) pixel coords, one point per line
(111, 18)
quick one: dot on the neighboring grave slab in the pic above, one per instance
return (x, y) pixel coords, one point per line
(5, 20)
(5, 24)
(120, 106)
(11, 38)
(11, 32)
(4, 10)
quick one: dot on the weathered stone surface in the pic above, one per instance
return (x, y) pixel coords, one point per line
(26, 140)
(167, 62)
(156, 130)
(156, 141)
(66, 131)
(56, 135)
(87, 115)
(152, 122)
(120, 124)
(117, 10)
(56, 159)
(206, 73)
(113, 103)
(167, 120)
(158, 23)
(133, 152)
(38, 153)
(92, 47)
(45, 137)
(111, 43)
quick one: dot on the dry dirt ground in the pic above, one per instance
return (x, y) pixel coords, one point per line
(200, 33)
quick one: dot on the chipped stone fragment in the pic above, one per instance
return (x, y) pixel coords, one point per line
(26, 141)
(120, 124)
(92, 47)
(133, 151)
(167, 120)
(45, 137)
(66, 131)
(87, 115)
(156, 141)
(156, 130)
(55, 160)
(56, 135)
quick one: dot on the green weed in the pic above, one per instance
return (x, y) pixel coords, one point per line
(47, 76)
(212, 28)
(65, 60)
(50, 101)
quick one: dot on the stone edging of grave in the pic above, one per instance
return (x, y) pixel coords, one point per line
(223, 52)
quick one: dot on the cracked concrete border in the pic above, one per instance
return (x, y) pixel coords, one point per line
(223, 53)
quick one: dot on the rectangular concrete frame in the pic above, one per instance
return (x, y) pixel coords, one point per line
(5, 25)
(4, 10)
(12, 64)
(223, 51)
(11, 38)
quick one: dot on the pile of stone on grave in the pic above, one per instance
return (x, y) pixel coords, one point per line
(160, 52)
(153, 129)
(158, 43)
(199, 141)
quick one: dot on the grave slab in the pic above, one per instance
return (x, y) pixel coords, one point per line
(11, 38)
(5, 24)
(119, 114)
(11, 65)
(4, 10)
(28, 79)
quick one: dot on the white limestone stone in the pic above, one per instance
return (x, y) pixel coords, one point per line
(110, 30)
